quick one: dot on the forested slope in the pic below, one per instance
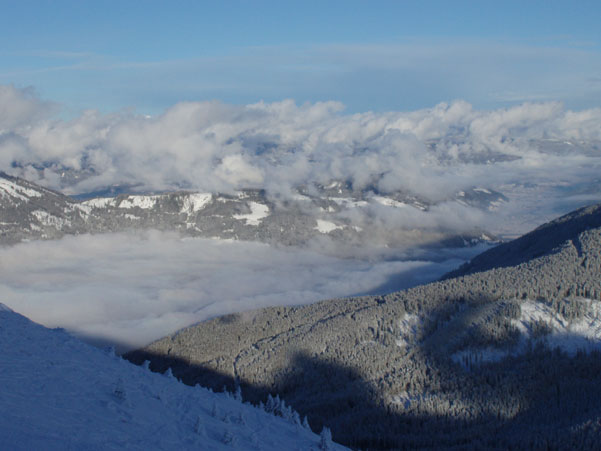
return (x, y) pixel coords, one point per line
(505, 357)
(546, 238)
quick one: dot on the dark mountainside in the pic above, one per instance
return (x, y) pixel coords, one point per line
(484, 360)
(541, 241)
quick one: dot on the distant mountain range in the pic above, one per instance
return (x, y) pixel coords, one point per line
(29, 212)
(506, 355)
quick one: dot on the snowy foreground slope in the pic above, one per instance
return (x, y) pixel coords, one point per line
(59, 393)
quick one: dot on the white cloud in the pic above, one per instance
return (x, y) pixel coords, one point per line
(211, 146)
(20, 108)
(236, 171)
(132, 289)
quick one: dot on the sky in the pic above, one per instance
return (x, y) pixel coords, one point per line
(370, 56)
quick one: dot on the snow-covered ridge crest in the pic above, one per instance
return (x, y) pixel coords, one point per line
(389, 202)
(144, 202)
(100, 202)
(50, 220)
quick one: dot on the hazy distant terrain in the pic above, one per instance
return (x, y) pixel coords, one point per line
(507, 356)
(332, 216)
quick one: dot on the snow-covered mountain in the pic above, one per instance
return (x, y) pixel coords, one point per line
(58, 393)
(504, 358)
(541, 241)
(29, 211)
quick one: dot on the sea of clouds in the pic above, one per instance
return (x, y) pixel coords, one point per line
(530, 152)
(545, 159)
(130, 289)
(211, 146)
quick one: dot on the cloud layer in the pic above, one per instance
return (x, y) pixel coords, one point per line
(211, 146)
(131, 289)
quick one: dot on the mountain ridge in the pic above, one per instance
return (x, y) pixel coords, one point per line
(542, 240)
(322, 213)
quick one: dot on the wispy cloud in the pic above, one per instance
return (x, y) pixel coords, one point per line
(400, 75)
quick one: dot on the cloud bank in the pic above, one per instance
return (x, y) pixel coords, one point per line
(211, 146)
(131, 289)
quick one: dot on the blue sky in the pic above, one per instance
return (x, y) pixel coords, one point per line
(377, 55)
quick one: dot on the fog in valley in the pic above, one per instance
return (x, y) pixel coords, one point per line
(128, 290)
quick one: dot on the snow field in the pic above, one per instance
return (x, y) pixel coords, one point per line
(58, 393)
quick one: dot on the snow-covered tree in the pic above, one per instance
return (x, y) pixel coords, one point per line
(325, 439)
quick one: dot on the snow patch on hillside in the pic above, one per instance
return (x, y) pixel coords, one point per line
(50, 220)
(570, 336)
(100, 202)
(83, 208)
(389, 202)
(144, 202)
(58, 393)
(582, 334)
(326, 226)
(12, 189)
(257, 213)
(195, 202)
(408, 329)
